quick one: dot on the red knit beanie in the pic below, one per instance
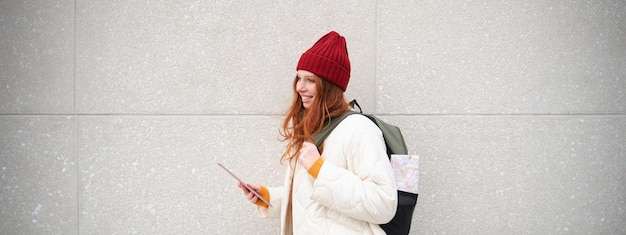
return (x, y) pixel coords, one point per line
(328, 58)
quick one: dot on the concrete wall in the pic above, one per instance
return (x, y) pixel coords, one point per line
(112, 113)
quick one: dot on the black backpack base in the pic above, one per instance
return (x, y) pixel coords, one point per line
(404, 214)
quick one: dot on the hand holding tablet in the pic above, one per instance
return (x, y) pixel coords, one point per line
(245, 185)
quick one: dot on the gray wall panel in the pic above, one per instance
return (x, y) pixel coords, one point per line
(38, 171)
(36, 57)
(112, 113)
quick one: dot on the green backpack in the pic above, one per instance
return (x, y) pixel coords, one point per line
(394, 141)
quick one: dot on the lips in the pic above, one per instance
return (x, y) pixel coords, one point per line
(306, 98)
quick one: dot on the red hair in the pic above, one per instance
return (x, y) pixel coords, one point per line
(300, 124)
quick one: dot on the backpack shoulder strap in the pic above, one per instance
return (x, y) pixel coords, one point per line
(392, 134)
(329, 127)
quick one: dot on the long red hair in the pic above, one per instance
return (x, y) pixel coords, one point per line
(300, 124)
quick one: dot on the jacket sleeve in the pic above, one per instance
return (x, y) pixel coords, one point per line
(365, 189)
(275, 199)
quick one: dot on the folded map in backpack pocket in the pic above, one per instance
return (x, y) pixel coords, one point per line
(406, 172)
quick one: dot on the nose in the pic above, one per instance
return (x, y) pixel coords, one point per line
(300, 85)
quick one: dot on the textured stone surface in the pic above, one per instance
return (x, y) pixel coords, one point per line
(36, 57)
(113, 113)
(206, 57)
(38, 175)
(506, 57)
(159, 175)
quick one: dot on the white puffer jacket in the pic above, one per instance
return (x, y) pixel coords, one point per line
(355, 188)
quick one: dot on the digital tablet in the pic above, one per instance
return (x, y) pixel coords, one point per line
(245, 185)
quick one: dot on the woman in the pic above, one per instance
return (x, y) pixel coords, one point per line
(349, 188)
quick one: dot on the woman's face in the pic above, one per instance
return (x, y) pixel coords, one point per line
(305, 86)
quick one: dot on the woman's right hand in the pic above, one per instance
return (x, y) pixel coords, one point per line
(249, 195)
